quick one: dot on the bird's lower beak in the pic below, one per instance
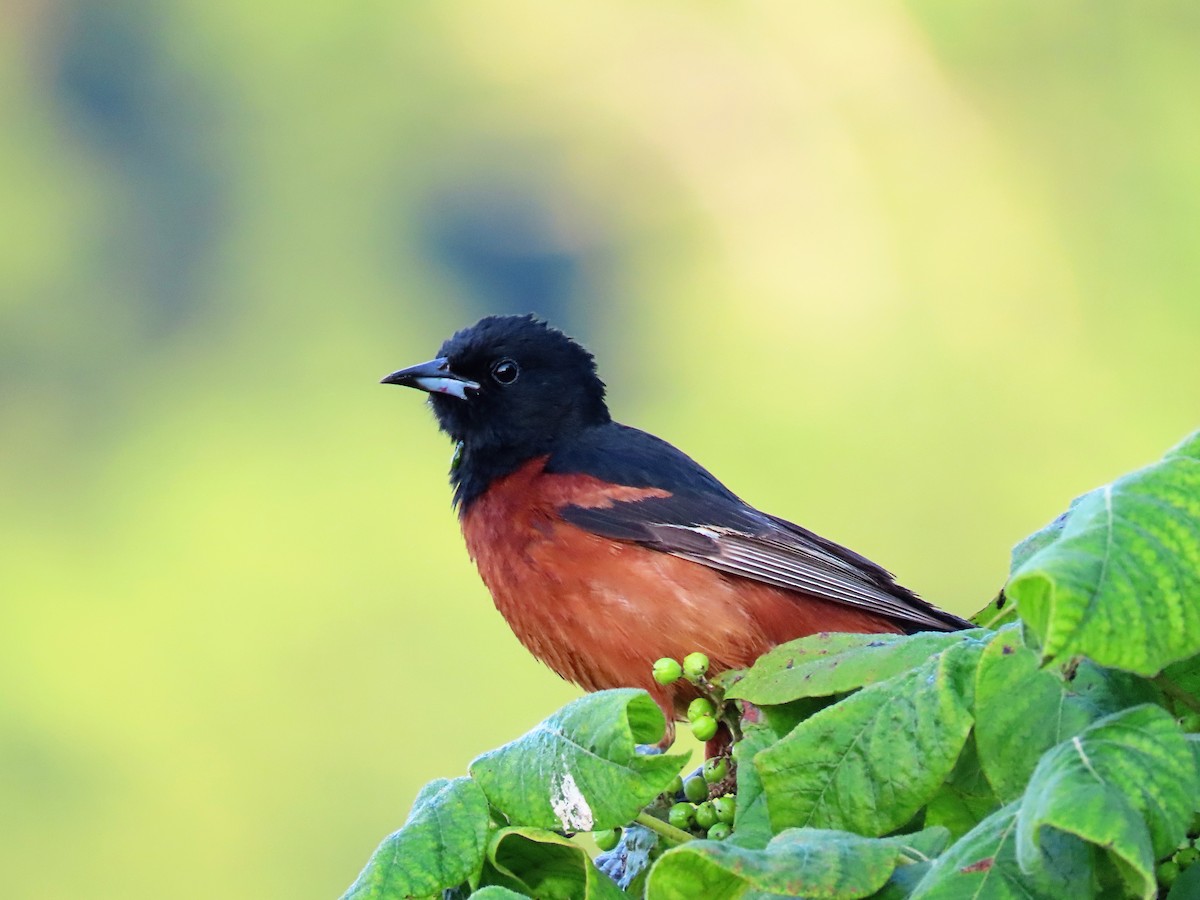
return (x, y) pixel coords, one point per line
(433, 377)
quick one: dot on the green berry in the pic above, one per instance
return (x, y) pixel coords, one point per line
(704, 728)
(1167, 872)
(726, 808)
(719, 832)
(701, 706)
(695, 789)
(681, 815)
(706, 815)
(715, 769)
(1186, 857)
(667, 670)
(608, 839)
(674, 787)
(695, 666)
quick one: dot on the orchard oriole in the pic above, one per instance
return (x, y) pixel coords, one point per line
(606, 548)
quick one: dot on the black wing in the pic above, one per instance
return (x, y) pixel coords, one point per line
(705, 522)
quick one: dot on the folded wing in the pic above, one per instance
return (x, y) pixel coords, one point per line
(721, 532)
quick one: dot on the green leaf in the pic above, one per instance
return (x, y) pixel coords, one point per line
(966, 798)
(547, 866)
(1040, 539)
(807, 862)
(1118, 582)
(579, 770)
(785, 716)
(869, 762)
(1022, 710)
(900, 886)
(496, 892)
(1188, 448)
(982, 865)
(441, 845)
(1187, 885)
(1128, 784)
(1001, 611)
(751, 825)
(1185, 676)
(834, 663)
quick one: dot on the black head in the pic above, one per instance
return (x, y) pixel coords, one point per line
(508, 389)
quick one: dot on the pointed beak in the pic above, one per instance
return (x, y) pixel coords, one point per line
(434, 377)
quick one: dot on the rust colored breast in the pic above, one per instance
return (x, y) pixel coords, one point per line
(599, 611)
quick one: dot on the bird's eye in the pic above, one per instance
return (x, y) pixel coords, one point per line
(505, 371)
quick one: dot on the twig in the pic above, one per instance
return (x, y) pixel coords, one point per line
(665, 830)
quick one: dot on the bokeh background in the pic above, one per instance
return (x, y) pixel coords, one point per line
(914, 275)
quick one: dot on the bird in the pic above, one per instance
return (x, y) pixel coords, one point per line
(606, 548)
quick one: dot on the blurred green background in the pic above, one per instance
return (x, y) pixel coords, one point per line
(913, 275)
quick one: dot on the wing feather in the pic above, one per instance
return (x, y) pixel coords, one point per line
(725, 534)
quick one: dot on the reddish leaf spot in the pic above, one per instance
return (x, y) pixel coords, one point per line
(1006, 649)
(982, 866)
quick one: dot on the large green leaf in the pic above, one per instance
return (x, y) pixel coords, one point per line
(496, 892)
(786, 716)
(1040, 539)
(1128, 784)
(982, 865)
(579, 770)
(900, 886)
(808, 862)
(546, 866)
(869, 762)
(835, 663)
(966, 797)
(1119, 581)
(1188, 448)
(1002, 610)
(1187, 885)
(1022, 709)
(1185, 676)
(751, 824)
(441, 845)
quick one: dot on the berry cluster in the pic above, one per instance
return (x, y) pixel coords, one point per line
(704, 804)
(702, 712)
(696, 812)
(701, 804)
(688, 807)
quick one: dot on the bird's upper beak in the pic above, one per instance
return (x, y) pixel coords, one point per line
(434, 377)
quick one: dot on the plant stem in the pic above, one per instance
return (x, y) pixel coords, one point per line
(733, 721)
(665, 830)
